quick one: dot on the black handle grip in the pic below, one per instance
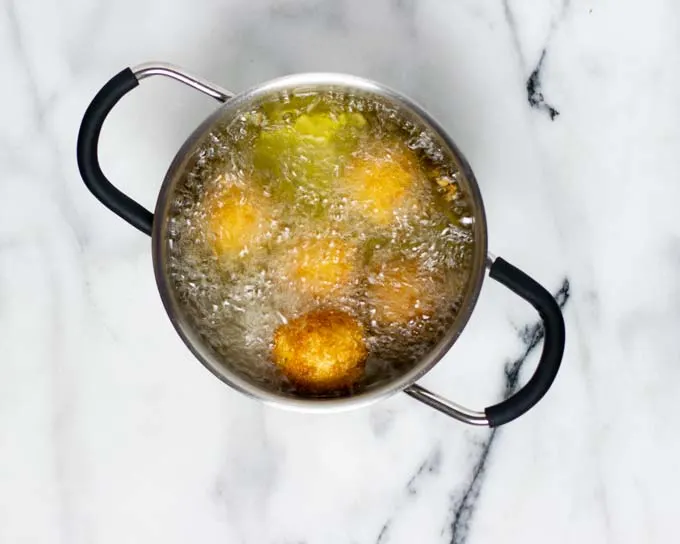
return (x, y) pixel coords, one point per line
(553, 343)
(88, 157)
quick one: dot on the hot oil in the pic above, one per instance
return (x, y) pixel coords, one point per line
(364, 213)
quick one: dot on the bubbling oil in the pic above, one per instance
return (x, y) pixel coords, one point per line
(313, 201)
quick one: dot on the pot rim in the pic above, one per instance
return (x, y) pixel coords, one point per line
(193, 340)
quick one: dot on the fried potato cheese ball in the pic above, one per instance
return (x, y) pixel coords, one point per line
(320, 266)
(381, 184)
(237, 221)
(399, 293)
(321, 351)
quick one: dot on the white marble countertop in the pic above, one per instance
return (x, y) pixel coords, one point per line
(111, 432)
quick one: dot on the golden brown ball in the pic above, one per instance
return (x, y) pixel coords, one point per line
(382, 183)
(400, 292)
(237, 221)
(320, 266)
(321, 351)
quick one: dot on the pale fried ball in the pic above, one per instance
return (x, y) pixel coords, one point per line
(320, 266)
(382, 183)
(400, 292)
(237, 221)
(321, 351)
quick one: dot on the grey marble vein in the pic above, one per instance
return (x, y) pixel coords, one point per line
(534, 90)
(464, 505)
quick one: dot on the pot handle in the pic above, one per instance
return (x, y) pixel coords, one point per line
(90, 129)
(551, 356)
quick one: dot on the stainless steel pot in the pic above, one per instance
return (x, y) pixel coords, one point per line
(155, 225)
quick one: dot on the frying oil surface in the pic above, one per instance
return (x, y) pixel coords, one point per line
(321, 207)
